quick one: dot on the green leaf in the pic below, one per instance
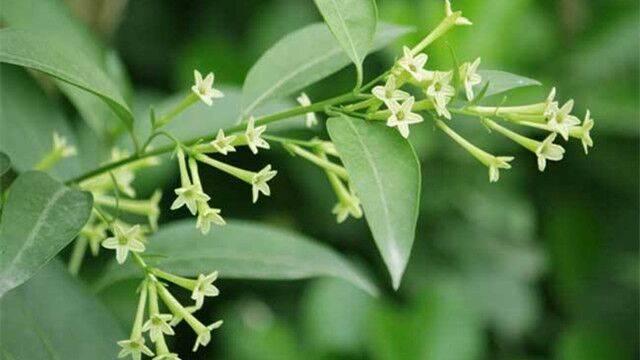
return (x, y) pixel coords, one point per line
(301, 59)
(53, 56)
(28, 114)
(5, 164)
(385, 173)
(353, 23)
(41, 216)
(501, 82)
(241, 250)
(54, 317)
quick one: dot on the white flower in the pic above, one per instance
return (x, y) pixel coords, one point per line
(311, 118)
(547, 150)
(60, 146)
(204, 337)
(470, 77)
(207, 216)
(584, 132)
(562, 120)
(460, 21)
(414, 65)
(134, 347)
(157, 325)
(224, 143)
(94, 232)
(550, 105)
(389, 92)
(401, 116)
(124, 241)
(167, 356)
(204, 88)
(497, 163)
(440, 92)
(253, 136)
(350, 206)
(177, 318)
(259, 182)
(189, 196)
(204, 287)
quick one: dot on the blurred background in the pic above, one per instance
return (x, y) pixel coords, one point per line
(537, 266)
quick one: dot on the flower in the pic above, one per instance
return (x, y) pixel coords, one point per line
(311, 119)
(157, 325)
(547, 150)
(401, 116)
(583, 132)
(414, 65)
(134, 347)
(562, 120)
(204, 287)
(177, 318)
(460, 21)
(204, 88)
(347, 206)
(224, 143)
(60, 146)
(497, 163)
(550, 105)
(207, 216)
(205, 335)
(95, 231)
(124, 241)
(167, 356)
(189, 196)
(389, 92)
(253, 136)
(259, 182)
(440, 92)
(470, 77)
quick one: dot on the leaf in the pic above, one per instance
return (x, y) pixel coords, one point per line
(501, 82)
(54, 317)
(5, 164)
(241, 250)
(353, 23)
(299, 60)
(385, 173)
(41, 216)
(49, 54)
(28, 114)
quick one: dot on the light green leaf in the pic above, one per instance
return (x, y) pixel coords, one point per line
(5, 164)
(54, 317)
(241, 250)
(353, 23)
(53, 56)
(385, 173)
(299, 60)
(501, 82)
(41, 216)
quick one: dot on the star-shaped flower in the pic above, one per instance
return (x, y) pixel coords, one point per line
(124, 241)
(440, 92)
(497, 163)
(547, 150)
(389, 92)
(208, 216)
(259, 182)
(223, 143)
(158, 325)
(401, 116)
(189, 195)
(60, 146)
(204, 88)
(550, 105)
(94, 232)
(253, 136)
(204, 337)
(460, 21)
(204, 287)
(414, 65)
(350, 206)
(470, 77)
(310, 117)
(584, 132)
(562, 120)
(134, 347)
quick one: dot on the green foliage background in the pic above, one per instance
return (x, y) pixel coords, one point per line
(538, 266)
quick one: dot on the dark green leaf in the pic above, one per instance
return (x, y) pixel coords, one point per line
(385, 172)
(41, 216)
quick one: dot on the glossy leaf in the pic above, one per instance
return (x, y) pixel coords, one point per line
(48, 53)
(241, 250)
(353, 23)
(54, 317)
(385, 173)
(41, 216)
(299, 60)
(501, 82)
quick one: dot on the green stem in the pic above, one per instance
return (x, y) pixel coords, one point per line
(189, 100)
(440, 30)
(322, 163)
(49, 160)
(77, 255)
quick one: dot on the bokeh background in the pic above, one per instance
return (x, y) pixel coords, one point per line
(537, 266)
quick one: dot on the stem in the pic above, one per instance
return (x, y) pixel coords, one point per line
(136, 331)
(440, 30)
(189, 100)
(178, 280)
(49, 160)
(323, 163)
(138, 259)
(77, 255)
(319, 106)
